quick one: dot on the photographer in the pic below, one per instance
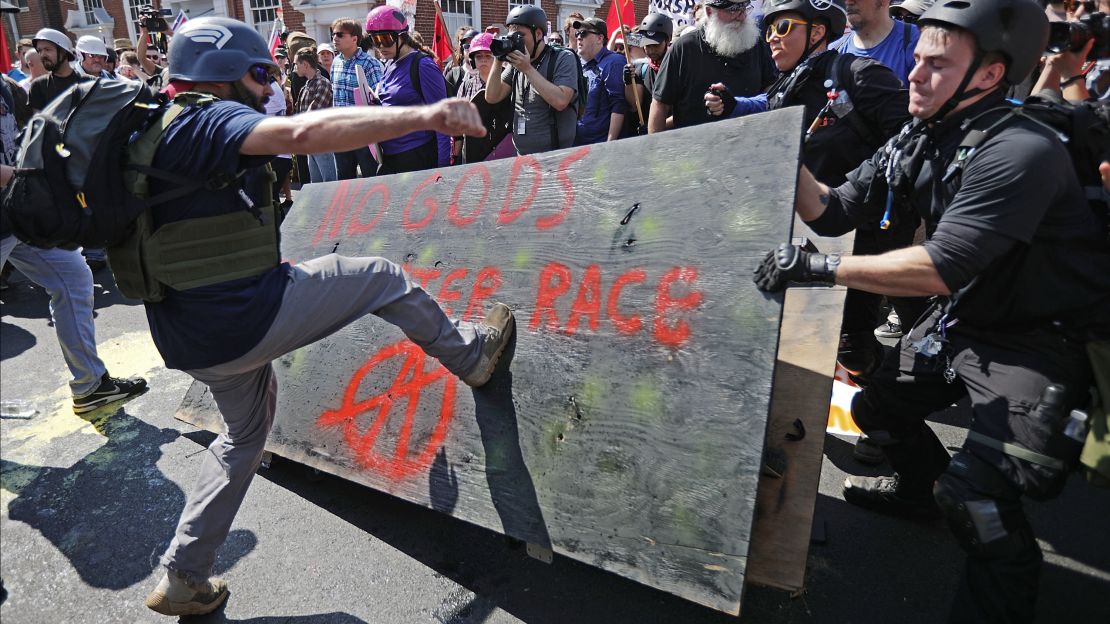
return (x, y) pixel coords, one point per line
(1077, 54)
(543, 118)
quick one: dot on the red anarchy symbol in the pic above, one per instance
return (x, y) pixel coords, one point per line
(408, 386)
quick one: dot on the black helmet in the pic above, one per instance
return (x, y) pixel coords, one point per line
(216, 49)
(1017, 29)
(658, 23)
(531, 16)
(830, 11)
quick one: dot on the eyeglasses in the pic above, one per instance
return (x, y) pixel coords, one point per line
(262, 74)
(383, 39)
(904, 16)
(338, 35)
(782, 28)
(582, 34)
(736, 7)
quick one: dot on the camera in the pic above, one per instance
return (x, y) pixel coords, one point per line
(502, 46)
(1072, 36)
(151, 19)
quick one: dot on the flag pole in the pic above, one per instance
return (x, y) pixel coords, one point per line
(628, 59)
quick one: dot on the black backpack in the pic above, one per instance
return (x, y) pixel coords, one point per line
(1083, 128)
(68, 188)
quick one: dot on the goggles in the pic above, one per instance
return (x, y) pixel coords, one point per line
(262, 74)
(782, 28)
(383, 39)
(904, 16)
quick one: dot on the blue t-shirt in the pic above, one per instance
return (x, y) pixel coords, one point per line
(398, 90)
(202, 327)
(895, 51)
(605, 78)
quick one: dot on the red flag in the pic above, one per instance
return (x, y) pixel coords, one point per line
(627, 16)
(441, 39)
(5, 61)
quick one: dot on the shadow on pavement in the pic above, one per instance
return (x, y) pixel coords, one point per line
(218, 617)
(14, 340)
(25, 299)
(112, 513)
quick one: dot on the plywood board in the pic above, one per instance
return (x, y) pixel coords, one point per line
(628, 432)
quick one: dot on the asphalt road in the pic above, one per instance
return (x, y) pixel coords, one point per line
(88, 507)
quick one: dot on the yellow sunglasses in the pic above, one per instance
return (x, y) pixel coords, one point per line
(783, 27)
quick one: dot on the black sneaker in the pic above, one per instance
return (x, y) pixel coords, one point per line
(867, 452)
(887, 495)
(111, 389)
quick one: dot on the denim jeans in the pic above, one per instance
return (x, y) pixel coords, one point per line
(68, 281)
(321, 168)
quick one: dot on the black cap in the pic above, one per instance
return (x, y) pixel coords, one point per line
(593, 24)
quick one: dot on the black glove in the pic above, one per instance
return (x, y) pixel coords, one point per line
(727, 99)
(631, 75)
(790, 263)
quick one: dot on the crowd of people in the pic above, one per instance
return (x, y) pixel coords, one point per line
(984, 259)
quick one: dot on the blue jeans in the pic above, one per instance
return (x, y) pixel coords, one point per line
(68, 281)
(321, 168)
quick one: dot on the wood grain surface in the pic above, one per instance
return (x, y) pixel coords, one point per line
(629, 430)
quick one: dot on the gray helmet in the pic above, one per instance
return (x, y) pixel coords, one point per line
(830, 11)
(216, 49)
(659, 23)
(1017, 29)
(57, 37)
(531, 16)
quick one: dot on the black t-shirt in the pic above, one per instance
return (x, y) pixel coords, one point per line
(690, 66)
(45, 88)
(879, 110)
(1014, 238)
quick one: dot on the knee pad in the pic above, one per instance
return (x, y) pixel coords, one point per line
(984, 527)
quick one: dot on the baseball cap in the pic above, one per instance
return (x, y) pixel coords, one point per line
(652, 36)
(592, 24)
(913, 7)
(326, 47)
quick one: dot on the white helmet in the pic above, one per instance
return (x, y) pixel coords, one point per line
(56, 37)
(92, 45)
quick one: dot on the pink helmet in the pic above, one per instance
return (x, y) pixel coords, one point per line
(386, 18)
(480, 44)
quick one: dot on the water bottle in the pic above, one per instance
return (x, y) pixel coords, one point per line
(17, 408)
(1076, 426)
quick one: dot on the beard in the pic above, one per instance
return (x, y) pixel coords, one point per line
(48, 65)
(730, 38)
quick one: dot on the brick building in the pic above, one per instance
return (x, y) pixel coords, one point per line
(111, 19)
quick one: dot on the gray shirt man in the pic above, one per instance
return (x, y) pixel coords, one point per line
(532, 116)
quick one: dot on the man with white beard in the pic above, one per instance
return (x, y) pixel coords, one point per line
(726, 48)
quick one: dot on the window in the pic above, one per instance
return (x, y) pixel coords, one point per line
(458, 13)
(133, 7)
(519, 3)
(262, 14)
(22, 4)
(90, 5)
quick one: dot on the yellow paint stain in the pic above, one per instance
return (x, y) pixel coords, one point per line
(714, 567)
(427, 256)
(127, 355)
(521, 259)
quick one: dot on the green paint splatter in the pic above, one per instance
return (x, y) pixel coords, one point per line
(522, 258)
(427, 255)
(593, 388)
(647, 227)
(646, 399)
(599, 173)
(376, 245)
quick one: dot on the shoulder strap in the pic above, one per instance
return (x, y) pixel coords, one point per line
(414, 74)
(840, 72)
(905, 35)
(553, 58)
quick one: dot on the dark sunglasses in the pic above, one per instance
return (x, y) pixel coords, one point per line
(338, 35)
(583, 33)
(262, 74)
(904, 16)
(383, 39)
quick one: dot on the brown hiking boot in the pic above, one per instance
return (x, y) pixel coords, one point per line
(176, 595)
(496, 330)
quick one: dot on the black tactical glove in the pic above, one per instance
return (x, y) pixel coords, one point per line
(631, 75)
(790, 263)
(727, 99)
